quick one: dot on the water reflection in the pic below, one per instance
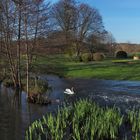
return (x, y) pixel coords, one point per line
(16, 114)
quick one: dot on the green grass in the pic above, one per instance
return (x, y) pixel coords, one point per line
(134, 121)
(64, 66)
(127, 69)
(83, 120)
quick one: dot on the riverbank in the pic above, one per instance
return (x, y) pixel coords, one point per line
(109, 69)
(109, 95)
(17, 114)
(124, 94)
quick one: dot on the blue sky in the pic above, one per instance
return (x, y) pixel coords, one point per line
(120, 17)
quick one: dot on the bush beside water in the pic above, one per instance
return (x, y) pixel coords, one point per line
(37, 88)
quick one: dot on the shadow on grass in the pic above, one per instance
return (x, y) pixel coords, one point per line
(64, 66)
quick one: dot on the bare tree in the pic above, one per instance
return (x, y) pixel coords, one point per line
(109, 40)
(18, 8)
(89, 22)
(77, 21)
(95, 43)
(101, 41)
(22, 21)
(35, 14)
(64, 16)
(7, 34)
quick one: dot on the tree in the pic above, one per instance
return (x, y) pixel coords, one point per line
(18, 6)
(95, 43)
(35, 16)
(109, 40)
(89, 23)
(8, 24)
(64, 16)
(22, 21)
(77, 21)
(101, 41)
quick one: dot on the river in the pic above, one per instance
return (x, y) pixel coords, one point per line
(16, 114)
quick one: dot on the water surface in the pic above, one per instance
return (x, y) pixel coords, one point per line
(16, 114)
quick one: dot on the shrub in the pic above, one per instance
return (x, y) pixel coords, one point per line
(39, 87)
(137, 54)
(121, 54)
(98, 56)
(7, 82)
(130, 55)
(86, 57)
(77, 58)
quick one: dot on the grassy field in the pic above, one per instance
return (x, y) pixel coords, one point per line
(107, 69)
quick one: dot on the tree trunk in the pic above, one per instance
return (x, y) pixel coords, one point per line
(27, 53)
(18, 74)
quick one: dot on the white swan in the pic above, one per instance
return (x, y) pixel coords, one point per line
(69, 91)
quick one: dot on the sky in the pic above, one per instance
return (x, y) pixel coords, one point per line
(120, 17)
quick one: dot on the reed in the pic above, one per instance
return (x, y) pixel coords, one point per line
(84, 120)
(134, 122)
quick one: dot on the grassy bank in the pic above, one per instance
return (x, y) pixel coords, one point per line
(107, 69)
(65, 66)
(85, 120)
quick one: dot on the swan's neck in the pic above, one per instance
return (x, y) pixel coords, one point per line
(72, 89)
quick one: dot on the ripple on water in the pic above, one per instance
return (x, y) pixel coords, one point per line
(15, 117)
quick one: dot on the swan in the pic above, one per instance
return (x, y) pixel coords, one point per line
(69, 91)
